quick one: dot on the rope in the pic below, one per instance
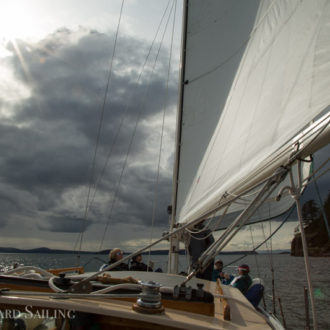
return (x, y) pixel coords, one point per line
(132, 138)
(207, 226)
(257, 264)
(270, 254)
(162, 134)
(312, 175)
(99, 130)
(268, 249)
(255, 256)
(316, 178)
(94, 258)
(263, 242)
(207, 256)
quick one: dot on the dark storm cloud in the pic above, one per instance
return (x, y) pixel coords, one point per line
(63, 223)
(142, 206)
(47, 144)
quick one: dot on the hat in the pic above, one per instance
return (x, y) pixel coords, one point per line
(244, 267)
(113, 253)
(219, 261)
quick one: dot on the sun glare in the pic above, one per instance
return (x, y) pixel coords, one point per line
(18, 20)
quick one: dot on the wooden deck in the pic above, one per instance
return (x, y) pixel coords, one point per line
(177, 315)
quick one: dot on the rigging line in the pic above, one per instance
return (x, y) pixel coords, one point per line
(163, 238)
(314, 172)
(273, 269)
(100, 125)
(244, 43)
(271, 240)
(267, 246)
(263, 242)
(192, 232)
(133, 135)
(237, 196)
(316, 178)
(255, 256)
(200, 238)
(236, 79)
(125, 111)
(245, 215)
(217, 223)
(162, 133)
(226, 202)
(309, 130)
(220, 65)
(293, 158)
(274, 293)
(296, 194)
(257, 264)
(320, 131)
(269, 254)
(207, 226)
(243, 196)
(207, 256)
(302, 62)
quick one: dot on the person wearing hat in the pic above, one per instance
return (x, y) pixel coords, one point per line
(138, 265)
(114, 256)
(243, 280)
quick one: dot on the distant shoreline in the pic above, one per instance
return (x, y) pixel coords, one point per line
(105, 252)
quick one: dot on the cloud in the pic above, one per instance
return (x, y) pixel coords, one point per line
(68, 224)
(50, 113)
(47, 142)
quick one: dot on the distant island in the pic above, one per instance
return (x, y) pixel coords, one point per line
(103, 252)
(316, 228)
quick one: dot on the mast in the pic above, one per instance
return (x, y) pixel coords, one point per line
(174, 240)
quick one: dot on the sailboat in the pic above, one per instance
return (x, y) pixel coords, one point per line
(254, 105)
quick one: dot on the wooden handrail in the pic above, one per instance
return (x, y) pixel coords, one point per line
(226, 306)
(57, 271)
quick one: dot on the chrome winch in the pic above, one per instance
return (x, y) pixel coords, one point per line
(149, 300)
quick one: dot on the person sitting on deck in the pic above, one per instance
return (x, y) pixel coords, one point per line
(218, 273)
(138, 265)
(243, 280)
(114, 256)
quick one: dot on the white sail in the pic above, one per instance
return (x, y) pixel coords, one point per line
(257, 89)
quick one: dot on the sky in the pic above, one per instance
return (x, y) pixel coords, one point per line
(55, 58)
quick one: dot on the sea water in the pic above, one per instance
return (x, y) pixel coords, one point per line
(288, 274)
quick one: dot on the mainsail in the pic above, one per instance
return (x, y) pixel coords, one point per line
(254, 80)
